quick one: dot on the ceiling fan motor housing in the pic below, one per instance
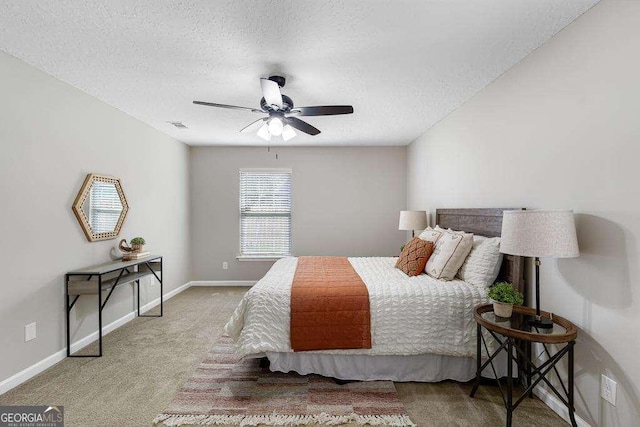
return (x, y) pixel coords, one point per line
(278, 79)
(287, 104)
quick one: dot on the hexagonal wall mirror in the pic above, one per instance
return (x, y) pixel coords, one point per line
(101, 207)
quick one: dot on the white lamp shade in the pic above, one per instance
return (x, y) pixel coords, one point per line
(539, 233)
(412, 220)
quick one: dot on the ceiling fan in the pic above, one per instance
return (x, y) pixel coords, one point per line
(282, 118)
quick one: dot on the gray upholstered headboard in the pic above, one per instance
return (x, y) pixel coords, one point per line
(486, 222)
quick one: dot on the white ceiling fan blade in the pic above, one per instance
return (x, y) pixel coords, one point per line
(254, 126)
(271, 92)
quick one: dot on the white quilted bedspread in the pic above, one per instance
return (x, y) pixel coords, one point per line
(409, 315)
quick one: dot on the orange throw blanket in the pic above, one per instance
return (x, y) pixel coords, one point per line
(329, 306)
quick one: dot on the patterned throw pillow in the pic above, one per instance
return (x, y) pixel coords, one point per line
(450, 252)
(414, 256)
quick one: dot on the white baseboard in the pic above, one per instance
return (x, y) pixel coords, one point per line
(557, 406)
(35, 369)
(223, 282)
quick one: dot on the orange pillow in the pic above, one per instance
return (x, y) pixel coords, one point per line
(414, 256)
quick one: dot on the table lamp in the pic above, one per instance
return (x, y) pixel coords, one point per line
(412, 220)
(539, 234)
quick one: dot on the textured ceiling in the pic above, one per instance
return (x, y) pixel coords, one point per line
(403, 65)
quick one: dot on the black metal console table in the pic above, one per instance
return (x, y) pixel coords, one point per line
(106, 277)
(509, 333)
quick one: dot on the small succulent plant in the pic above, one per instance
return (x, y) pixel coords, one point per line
(505, 292)
(138, 241)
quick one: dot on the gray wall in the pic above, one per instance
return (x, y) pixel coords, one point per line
(346, 201)
(561, 130)
(51, 136)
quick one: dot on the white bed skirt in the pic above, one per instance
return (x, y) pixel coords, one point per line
(419, 368)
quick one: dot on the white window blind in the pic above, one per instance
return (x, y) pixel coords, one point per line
(105, 207)
(265, 212)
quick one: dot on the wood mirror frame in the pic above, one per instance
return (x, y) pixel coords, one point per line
(81, 215)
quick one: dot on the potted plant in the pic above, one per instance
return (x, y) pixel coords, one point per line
(137, 243)
(504, 296)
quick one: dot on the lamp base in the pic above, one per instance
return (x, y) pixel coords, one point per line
(540, 322)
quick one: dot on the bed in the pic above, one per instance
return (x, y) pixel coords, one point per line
(422, 329)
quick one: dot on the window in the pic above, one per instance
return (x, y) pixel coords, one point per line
(265, 212)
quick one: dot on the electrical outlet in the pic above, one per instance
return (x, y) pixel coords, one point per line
(225, 265)
(30, 332)
(608, 389)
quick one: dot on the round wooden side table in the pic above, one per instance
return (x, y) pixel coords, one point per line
(515, 336)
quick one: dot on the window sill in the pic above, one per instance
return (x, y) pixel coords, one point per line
(260, 257)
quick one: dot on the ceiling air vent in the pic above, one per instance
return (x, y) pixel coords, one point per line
(179, 125)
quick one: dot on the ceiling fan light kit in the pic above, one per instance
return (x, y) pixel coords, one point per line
(281, 111)
(288, 133)
(275, 126)
(264, 133)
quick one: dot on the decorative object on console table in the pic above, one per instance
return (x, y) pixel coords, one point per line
(135, 255)
(504, 297)
(137, 243)
(539, 234)
(124, 246)
(135, 250)
(412, 221)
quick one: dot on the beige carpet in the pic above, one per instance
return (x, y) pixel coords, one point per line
(146, 362)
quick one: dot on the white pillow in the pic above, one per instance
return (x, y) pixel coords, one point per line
(482, 266)
(442, 230)
(449, 253)
(431, 235)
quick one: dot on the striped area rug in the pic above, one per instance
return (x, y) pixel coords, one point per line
(226, 391)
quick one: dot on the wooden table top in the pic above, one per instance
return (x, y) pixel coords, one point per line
(110, 266)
